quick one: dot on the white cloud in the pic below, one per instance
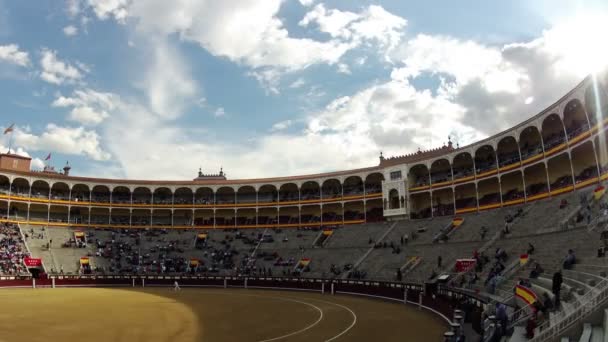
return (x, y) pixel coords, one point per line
(73, 7)
(219, 112)
(90, 107)
(167, 83)
(11, 54)
(56, 71)
(67, 140)
(104, 9)
(279, 126)
(372, 24)
(70, 30)
(87, 116)
(297, 83)
(306, 3)
(344, 68)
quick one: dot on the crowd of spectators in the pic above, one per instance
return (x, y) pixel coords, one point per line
(12, 250)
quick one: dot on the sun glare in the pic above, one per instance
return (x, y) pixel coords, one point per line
(580, 43)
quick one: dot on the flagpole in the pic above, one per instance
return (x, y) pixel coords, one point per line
(10, 142)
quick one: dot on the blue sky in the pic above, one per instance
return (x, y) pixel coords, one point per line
(155, 89)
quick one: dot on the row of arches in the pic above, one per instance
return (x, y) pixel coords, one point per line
(246, 194)
(305, 215)
(556, 132)
(562, 172)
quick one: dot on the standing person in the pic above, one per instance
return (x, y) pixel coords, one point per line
(439, 259)
(557, 286)
(176, 286)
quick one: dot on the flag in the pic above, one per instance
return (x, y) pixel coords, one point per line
(599, 192)
(525, 294)
(523, 259)
(48, 157)
(9, 129)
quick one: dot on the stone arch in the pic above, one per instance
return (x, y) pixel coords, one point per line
(246, 194)
(485, 159)
(373, 183)
(512, 186)
(393, 199)
(530, 143)
(142, 195)
(553, 131)
(583, 162)
(40, 189)
(5, 184)
(20, 186)
(560, 173)
(183, 196)
(268, 193)
(441, 171)
(575, 118)
(331, 188)
(535, 177)
(289, 192)
(121, 195)
(100, 194)
(60, 191)
(466, 196)
(163, 195)
(443, 202)
(463, 165)
(225, 195)
(353, 186)
(203, 196)
(507, 151)
(418, 176)
(310, 191)
(81, 193)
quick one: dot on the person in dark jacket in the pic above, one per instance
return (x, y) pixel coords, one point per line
(557, 287)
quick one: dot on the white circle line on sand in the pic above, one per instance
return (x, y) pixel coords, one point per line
(303, 329)
(347, 328)
(290, 300)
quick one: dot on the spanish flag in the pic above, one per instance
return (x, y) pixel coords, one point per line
(84, 261)
(525, 294)
(304, 262)
(194, 262)
(599, 192)
(523, 259)
(79, 234)
(202, 236)
(457, 221)
(9, 129)
(327, 232)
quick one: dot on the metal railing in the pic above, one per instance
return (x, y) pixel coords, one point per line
(586, 305)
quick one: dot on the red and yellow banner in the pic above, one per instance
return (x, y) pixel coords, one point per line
(194, 262)
(79, 234)
(525, 294)
(457, 221)
(84, 261)
(304, 262)
(202, 236)
(523, 259)
(327, 232)
(599, 192)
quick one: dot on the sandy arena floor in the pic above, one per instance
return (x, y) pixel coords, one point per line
(210, 315)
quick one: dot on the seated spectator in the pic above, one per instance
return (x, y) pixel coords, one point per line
(569, 260)
(536, 271)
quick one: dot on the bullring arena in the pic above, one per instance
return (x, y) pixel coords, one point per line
(207, 315)
(502, 239)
